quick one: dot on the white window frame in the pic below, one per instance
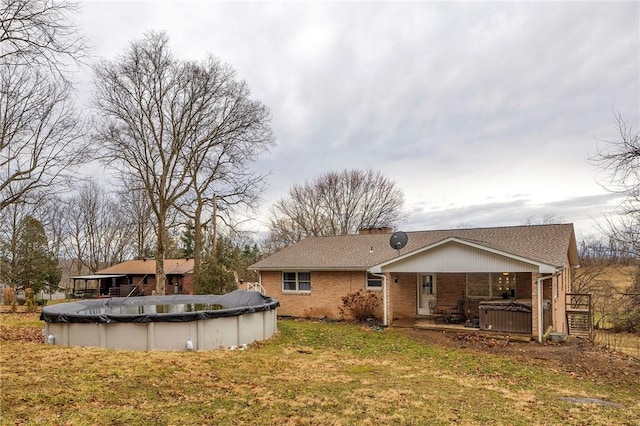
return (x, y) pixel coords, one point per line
(370, 277)
(297, 282)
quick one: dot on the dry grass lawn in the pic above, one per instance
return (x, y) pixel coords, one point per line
(311, 373)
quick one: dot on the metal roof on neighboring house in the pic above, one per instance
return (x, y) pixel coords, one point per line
(148, 267)
(546, 244)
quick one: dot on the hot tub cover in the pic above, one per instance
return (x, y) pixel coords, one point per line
(511, 305)
(237, 302)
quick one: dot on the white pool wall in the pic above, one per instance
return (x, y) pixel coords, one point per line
(207, 334)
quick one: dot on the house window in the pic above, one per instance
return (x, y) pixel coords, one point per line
(374, 282)
(503, 285)
(491, 286)
(296, 281)
(478, 286)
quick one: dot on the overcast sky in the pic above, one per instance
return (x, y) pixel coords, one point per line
(483, 113)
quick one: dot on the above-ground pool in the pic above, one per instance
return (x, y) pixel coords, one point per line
(169, 323)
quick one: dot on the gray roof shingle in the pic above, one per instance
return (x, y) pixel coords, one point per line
(548, 244)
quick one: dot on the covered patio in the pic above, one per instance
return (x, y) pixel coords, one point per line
(457, 282)
(89, 286)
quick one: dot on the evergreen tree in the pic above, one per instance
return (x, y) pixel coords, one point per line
(187, 240)
(217, 273)
(36, 267)
(250, 255)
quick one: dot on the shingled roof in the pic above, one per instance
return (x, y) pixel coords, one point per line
(148, 267)
(547, 244)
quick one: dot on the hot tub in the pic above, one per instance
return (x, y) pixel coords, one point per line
(171, 323)
(512, 316)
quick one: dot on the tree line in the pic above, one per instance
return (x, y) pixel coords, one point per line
(179, 137)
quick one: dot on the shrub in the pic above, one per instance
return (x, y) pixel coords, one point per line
(9, 296)
(30, 301)
(360, 305)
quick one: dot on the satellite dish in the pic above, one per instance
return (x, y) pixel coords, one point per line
(398, 240)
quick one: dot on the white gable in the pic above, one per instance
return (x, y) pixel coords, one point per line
(454, 255)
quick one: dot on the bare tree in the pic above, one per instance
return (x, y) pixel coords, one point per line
(40, 33)
(550, 218)
(160, 116)
(40, 133)
(336, 203)
(134, 206)
(98, 234)
(621, 158)
(283, 232)
(221, 176)
(602, 252)
(10, 218)
(39, 126)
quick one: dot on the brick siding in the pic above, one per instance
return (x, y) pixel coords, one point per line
(325, 299)
(328, 288)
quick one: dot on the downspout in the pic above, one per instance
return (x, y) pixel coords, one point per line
(384, 297)
(540, 307)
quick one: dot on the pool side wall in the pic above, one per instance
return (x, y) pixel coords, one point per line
(208, 334)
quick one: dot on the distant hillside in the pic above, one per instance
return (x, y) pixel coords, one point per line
(620, 276)
(598, 278)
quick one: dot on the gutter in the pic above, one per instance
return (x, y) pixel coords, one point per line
(384, 297)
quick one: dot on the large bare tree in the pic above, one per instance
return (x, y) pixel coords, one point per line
(39, 126)
(163, 121)
(336, 203)
(40, 33)
(40, 133)
(221, 177)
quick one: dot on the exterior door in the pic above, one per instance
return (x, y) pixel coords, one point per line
(426, 293)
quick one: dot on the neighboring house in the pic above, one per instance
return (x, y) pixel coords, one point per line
(474, 272)
(136, 277)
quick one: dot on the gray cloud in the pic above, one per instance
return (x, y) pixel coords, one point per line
(587, 213)
(484, 112)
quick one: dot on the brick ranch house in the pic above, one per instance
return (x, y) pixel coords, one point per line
(135, 277)
(475, 273)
